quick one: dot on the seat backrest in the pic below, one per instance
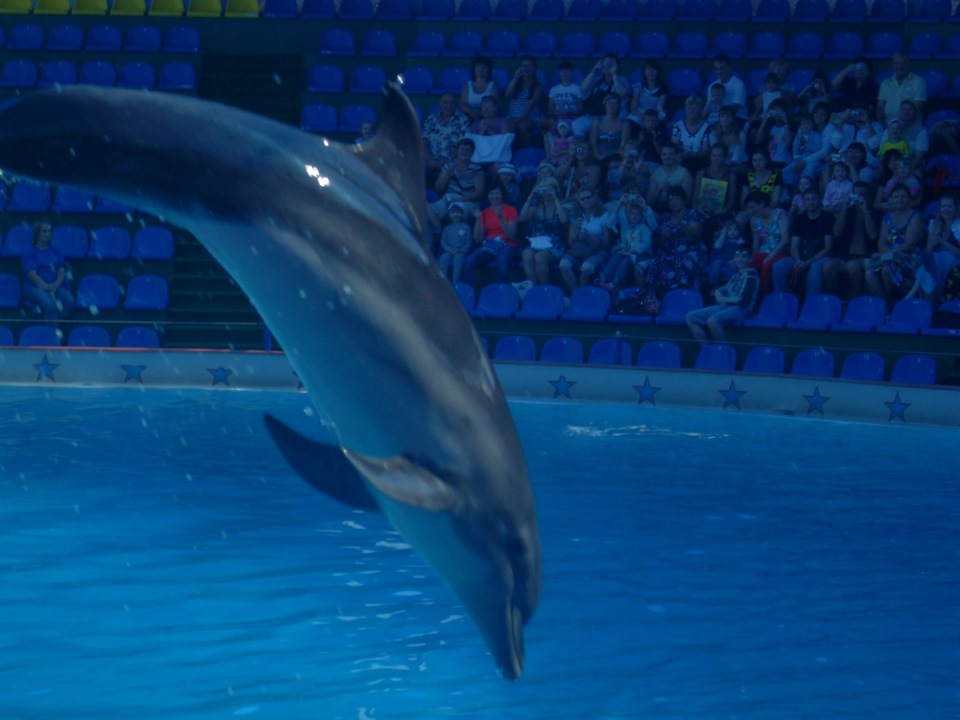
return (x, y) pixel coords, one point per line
(912, 313)
(814, 362)
(916, 369)
(659, 353)
(9, 291)
(147, 292)
(153, 243)
(109, 243)
(562, 350)
(89, 336)
(138, 337)
(143, 38)
(516, 347)
(466, 294)
(611, 351)
(104, 38)
(766, 359)
(98, 292)
(39, 336)
(716, 356)
(71, 240)
(863, 366)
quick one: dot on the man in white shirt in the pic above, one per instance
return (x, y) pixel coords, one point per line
(734, 91)
(902, 85)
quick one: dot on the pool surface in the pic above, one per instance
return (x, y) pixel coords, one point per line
(159, 560)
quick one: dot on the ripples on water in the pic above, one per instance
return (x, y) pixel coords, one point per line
(158, 560)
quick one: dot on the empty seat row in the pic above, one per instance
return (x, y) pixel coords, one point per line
(324, 118)
(105, 243)
(33, 197)
(82, 336)
(97, 293)
(24, 74)
(101, 38)
(136, 8)
(814, 362)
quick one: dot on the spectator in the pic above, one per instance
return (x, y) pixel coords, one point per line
(634, 222)
(600, 82)
(441, 132)
(900, 174)
(455, 242)
(526, 99)
(732, 132)
(734, 91)
(943, 246)
(679, 254)
(650, 93)
(725, 242)
(816, 92)
(762, 179)
(460, 180)
(588, 241)
(770, 229)
(670, 174)
(715, 189)
(507, 179)
(806, 151)
(479, 86)
(565, 99)
(856, 86)
(891, 272)
(558, 145)
(734, 301)
(856, 125)
(902, 85)
(583, 174)
(607, 132)
(915, 135)
(839, 189)
(630, 172)
(811, 247)
(691, 134)
(855, 239)
(648, 135)
(714, 102)
(776, 135)
(496, 237)
(45, 275)
(545, 218)
(770, 92)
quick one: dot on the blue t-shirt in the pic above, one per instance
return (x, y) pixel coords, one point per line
(46, 263)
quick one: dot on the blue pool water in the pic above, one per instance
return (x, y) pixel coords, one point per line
(158, 560)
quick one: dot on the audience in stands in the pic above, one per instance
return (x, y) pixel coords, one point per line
(45, 275)
(526, 96)
(442, 131)
(543, 217)
(604, 79)
(892, 270)
(588, 241)
(902, 85)
(811, 246)
(495, 234)
(943, 246)
(734, 301)
(455, 242)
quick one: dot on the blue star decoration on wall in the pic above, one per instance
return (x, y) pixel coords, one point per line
(562, 386)
(647, 391)
(897, 408)
(133, 372)
(45, 369)
(220, 375)
(815, 401)
(731, 396)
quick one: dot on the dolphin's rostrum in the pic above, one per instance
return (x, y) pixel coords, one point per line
(327, 241)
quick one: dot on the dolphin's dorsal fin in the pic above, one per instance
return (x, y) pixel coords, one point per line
(395, 153)
(404, 481)
(323, 466)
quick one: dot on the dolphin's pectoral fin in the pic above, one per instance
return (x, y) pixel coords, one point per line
(404, 481)
(323, 466)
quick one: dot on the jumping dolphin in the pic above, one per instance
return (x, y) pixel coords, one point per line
(327, 241)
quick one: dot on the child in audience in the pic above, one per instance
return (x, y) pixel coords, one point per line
(558, 144)
(455, 242)
(727, 239)
(839, 189)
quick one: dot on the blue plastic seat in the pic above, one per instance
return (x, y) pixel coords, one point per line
(104, 38)
(147, 292)
(464, 43)
(378, 43)
(58, 72)
(583, 11)
(354, 115)
(72, 200)
(883, 45)
(326, 79)
(286, 9)
(502, 43)
(467, 295)
(653, 44)
(29, 196)
(863, 366)
(138, 337)
(181, 39)
(540, 43)
(562, 350)
(772, 11)
(319, 118)
(815, 362)
(356, 10)
(152, 243)
(497, 300)
(451, 79)
(620, 11)
(20, 74)
(843, 46)
(577, 44)
(25, 36)
(936, 82)
(805, 46)
(417, 80)
(924, 46)
(65, 38)
(849, 11)
(98, 72)
(657, 11)
(915, 369)
(428, 43)
(9, 291)
(908, 317)
(819, 312)
(547, 10)
(338, 42)
(137, 76)
(731, 43)
(613, 41)
(394, 10)
(765, 359)
(588, 304)
(367, 80)
(109, 206)
(716, 356)
(683, 82)
(437, 10)
(776, 310)
(950, 49)
(98, 292)
(39, 336)
(766, 45)
(541, 302)
(71, 240)
(691, 44)
(474, 10)
(953, 92)
(811, 11)
(696, 11)
(611, 351)
(109, 243)
(676, 304)
(19, 240)
(950, 306)
(318, 10)
(733, 11)
(864, 314)
(930, 11)
(88, 336)
(143, 38)
(177, 76)
(518, 348)
(512, 11)
(659, 354)
(6, 337)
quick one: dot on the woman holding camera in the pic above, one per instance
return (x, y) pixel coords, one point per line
(544, 217)
(857, 86)
(601, 81)
(525, 94)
